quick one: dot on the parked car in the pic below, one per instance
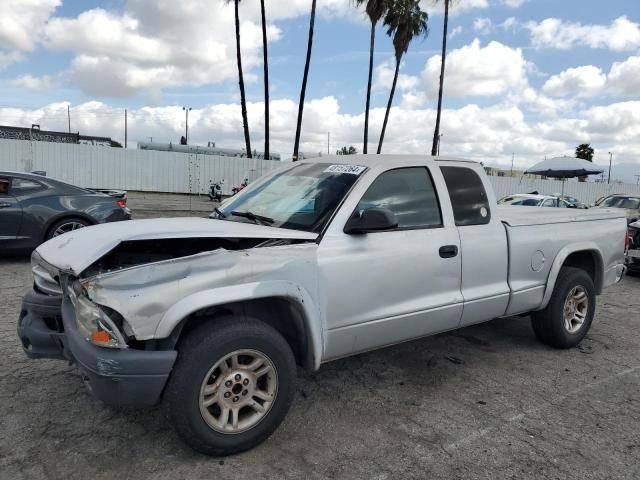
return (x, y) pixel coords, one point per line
(572, 201)
(34, 208)
(629, 203)
(633, 253)
(535, 200)
(313, 262)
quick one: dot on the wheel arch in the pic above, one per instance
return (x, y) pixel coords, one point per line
(285, 306)
(585, 256)
(65, 216)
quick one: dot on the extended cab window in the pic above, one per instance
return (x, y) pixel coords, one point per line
(468, 197)
(409, 193)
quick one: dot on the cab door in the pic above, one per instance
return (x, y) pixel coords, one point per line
(385, 287)
(10, 212)
(483, 243)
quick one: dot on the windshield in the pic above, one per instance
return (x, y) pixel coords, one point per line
(621, 202)
(301, 198)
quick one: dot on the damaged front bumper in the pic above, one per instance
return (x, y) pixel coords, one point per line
(47, 329)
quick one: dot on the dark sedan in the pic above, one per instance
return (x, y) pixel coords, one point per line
(34, 208)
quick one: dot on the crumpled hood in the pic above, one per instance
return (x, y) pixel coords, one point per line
(76, 250)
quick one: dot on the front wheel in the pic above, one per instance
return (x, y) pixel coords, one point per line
(232, 385)
(568, 316)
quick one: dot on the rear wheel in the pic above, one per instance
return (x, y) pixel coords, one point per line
(66, 225)
(232, 385)
(568, 316)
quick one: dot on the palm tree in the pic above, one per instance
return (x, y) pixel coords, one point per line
(243, 100)
(436, 132)
(266, 80)
(405, 20)
(375, 10)
(303, 88)
(585, 152)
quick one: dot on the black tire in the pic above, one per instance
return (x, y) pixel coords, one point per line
(197, 354)
(549, 324)
(69, 220)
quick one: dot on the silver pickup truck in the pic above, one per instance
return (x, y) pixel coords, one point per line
(316, 261)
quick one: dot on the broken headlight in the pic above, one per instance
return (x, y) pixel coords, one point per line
(94, 323)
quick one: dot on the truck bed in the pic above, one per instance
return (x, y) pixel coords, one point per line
(540, 238)
(517, 216)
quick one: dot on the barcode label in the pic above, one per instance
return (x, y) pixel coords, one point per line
(352, 169)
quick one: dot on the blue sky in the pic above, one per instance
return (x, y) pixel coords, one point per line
(542, 86)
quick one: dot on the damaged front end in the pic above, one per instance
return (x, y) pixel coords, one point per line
(102, 308)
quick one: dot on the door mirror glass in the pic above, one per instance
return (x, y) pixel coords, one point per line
(371, 220)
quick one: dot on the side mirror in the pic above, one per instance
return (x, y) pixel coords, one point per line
(371, 220)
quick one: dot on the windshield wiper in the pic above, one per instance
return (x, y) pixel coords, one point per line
(252, 216)
(220, 213)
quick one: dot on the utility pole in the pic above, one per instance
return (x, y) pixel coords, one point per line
(637, 179)
(512, 157)
(186, 130)
(69, 117)
(610, 158)
(125, 128)
(328, 140)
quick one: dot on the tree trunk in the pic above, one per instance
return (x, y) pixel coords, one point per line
(386, 114)
(366, 110)
(266, 81)
(303, 89)
(243, 100)
(436, 132)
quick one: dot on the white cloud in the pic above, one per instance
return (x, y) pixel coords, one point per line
(485, 133)
(455, 31)
(482, 25)
(588, 81)
(624, 77)
(582, 81)
(510, 24)
(621, 34)
(123, 54)
(153, 44)
(455, 8)
(33, 83)
(21, 23)
(514, 3)
(474, 70)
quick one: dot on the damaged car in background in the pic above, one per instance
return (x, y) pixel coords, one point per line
(313, 262)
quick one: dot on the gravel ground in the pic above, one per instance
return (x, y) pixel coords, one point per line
(488, 401)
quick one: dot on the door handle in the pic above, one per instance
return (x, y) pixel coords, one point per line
(5, 205)
(448, 251)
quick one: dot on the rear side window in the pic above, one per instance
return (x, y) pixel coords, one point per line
(20, 186)
(4, 186)
(409, 193)
(468, 197)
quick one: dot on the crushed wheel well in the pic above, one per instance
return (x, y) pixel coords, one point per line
(281, 313)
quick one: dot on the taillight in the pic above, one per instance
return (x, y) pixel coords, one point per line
(122, 203)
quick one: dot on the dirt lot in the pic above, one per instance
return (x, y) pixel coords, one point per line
(485, 402)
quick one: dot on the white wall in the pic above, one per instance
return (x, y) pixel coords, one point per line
(130, 169)
(151, 171)
(586, 192)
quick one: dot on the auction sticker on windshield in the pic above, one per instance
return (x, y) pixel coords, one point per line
(352, 169)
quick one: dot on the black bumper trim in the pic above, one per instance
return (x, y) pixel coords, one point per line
(114, 376)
